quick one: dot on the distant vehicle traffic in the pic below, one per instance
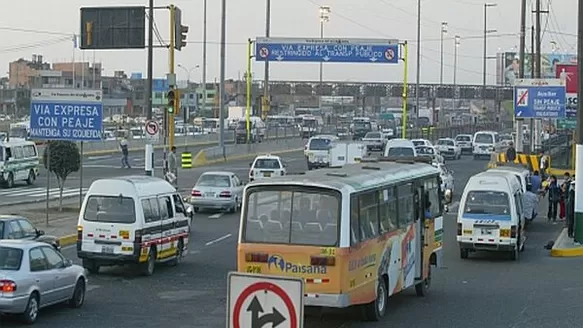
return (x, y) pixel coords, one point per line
(220, 190)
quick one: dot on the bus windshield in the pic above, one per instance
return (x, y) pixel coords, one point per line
(292, 215)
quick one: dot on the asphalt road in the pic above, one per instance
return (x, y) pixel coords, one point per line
(485, 291)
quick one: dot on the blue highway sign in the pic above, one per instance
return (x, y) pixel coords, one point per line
(370, 51)
(539, 101)
(160, 85)
(66, 114)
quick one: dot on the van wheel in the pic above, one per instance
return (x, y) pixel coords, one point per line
(31, 178)
(91, 266)
(10, 180)
(514, 254)
(464, 253)
(376, 310)
(179, 253)
(32, 308)
(422, 288)
(150, 265)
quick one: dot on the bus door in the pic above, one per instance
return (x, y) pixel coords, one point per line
(419, 231)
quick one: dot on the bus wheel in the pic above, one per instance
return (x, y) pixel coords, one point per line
(375, 310)
(422, 288)
(31, 178)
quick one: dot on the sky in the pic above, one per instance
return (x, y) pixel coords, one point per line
(383, 19)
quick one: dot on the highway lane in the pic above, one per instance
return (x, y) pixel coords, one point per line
(485, 291)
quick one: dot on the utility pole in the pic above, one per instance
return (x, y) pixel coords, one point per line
(149, 149)
(204, 36)
(266, 102)
(485, 54)
(535, 125)
(442, 34)
(522, 56)
(579, 150)
(418, 77)
(222, 77)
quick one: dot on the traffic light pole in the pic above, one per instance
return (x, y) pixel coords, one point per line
(171, 71)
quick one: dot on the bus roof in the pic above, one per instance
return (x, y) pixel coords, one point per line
(357, 177)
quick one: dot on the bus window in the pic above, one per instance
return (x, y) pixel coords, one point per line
(368, 214)
(303, 216)
(433, 196)
(388, 210)
(406, 208)
(354, 227)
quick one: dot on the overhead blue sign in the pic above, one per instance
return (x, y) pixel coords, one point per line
(66, 114)
(160, 85)
(370, 51)
(540, 101)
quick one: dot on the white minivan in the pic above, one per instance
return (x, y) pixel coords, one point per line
(317, 150)
(400, 147)
(490, 215)
(522, 174)
(485, 144)
(132, 220)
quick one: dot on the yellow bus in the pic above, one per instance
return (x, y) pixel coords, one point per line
(356, 234)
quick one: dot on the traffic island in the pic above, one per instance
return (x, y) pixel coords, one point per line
(566, 247)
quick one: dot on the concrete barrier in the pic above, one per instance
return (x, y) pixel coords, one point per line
(213, 155)
(108, 147)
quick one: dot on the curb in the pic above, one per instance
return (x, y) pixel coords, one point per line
(565, 252)
(205, 162)
(68, 240)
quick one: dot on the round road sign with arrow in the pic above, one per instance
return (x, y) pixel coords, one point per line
(257, 301)
(152, 130)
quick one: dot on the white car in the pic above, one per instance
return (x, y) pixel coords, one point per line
(446, 175)
(448, 148)
(220, 190)
(266, 166)
(464, 141)
(422, 142)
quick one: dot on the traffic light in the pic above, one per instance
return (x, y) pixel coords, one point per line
(180, 30)
(171, 97)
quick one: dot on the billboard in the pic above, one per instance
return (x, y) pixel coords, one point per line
(508, 66)
(570, 73)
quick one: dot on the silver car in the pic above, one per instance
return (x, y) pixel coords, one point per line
(219, 190)
(375, 141)
(34, 275)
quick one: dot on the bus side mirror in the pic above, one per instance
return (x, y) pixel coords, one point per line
(448, 196)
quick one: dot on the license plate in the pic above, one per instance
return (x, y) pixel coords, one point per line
(107, 249)
(209, 194)
(486, 231)
(267, 174)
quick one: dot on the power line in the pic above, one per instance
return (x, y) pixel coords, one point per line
(34, 45)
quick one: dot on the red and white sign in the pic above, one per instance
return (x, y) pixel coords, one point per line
(264, 52)
(389, 54)
(256, 301)
(152, 129)
(569, 73)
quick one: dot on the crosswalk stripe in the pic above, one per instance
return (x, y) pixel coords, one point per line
(21, 191)
(41, 192)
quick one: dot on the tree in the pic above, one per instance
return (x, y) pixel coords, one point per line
(61, 158)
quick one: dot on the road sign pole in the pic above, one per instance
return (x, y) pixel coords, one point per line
(149, 160)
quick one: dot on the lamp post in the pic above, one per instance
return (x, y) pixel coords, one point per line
(443, 33)
(188, 71)
(485, 54)
(418, 77)
(457, 41)
(324, 18)
(204, 44)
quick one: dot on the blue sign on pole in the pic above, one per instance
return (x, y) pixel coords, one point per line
(539, 101)
(66, 114)
(160, 85)
(372, 51)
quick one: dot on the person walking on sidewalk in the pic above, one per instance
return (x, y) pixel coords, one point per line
(510, 153)
(123, 146)
(530, 204)
(554, 196)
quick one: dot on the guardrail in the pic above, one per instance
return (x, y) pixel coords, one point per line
(112, 146)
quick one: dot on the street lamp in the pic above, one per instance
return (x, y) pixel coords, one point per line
(457, 41)
(443, 33)
(188, 72)
(324, 18)
(485, 55)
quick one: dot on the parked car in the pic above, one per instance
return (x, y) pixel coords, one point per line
(19, 227)
(375, 141)
(34, 276)
(464, 141)
(448, 148)
(220, 190)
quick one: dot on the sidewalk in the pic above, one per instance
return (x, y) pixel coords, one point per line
(566, 247)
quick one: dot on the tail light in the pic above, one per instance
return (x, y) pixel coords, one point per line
(257, 257)
(138, 237)
(459, 229)
(225, 194)
(513, 231)
(196, 193)
(79, 233)
(323, 261)
(7, 286)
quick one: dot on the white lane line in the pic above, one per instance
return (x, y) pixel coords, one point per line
(216, 216)
(99, 157)
(218, 240)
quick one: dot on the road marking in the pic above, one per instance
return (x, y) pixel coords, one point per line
(216, 216)
(92, 158)
(40, 192)
(218, 240)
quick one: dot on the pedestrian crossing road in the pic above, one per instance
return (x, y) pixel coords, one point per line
(32, 194)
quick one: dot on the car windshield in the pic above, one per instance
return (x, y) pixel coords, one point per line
(487, 202)
(111, 209)
(267, 163)
(484, 138)
(401, 151)
(292, 215)
(362, 126)
(443, 142)
(214, 180)
(373, 135)
(10, 258)
(418, 143)
(463, 138)
(425, 150)
(320, 144)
